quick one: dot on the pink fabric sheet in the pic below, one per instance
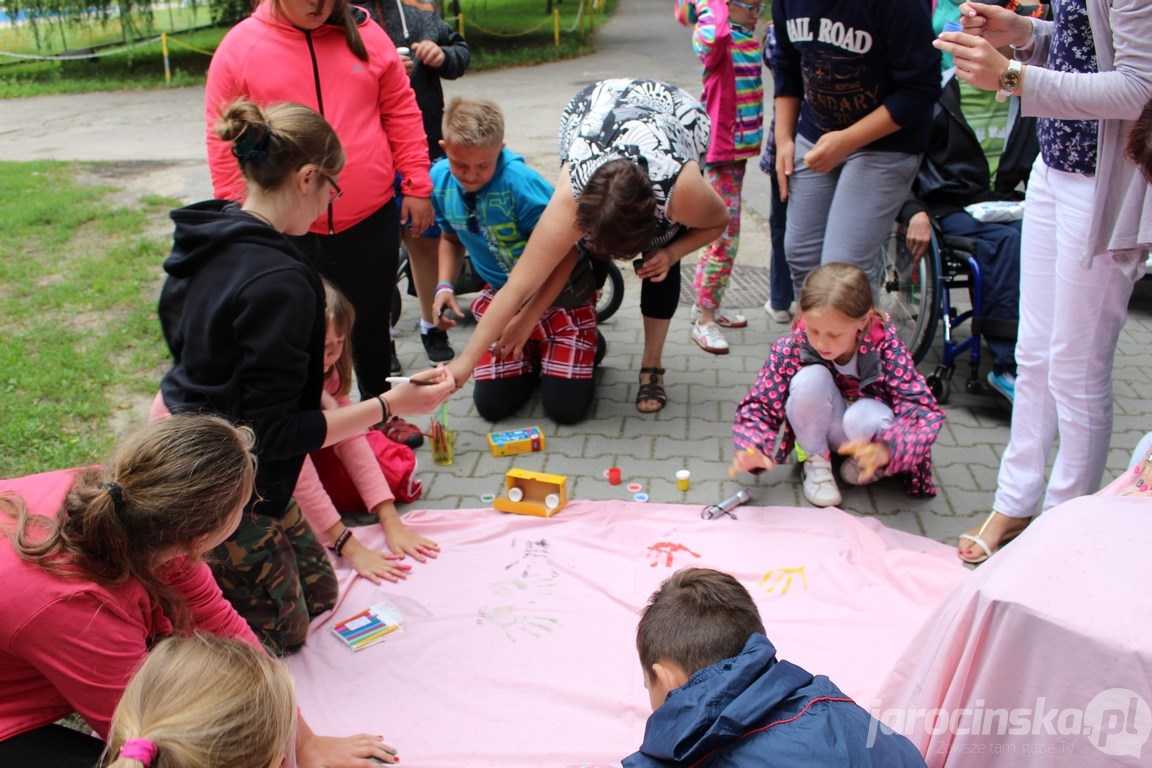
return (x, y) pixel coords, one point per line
(1055, 632)
(519, 648)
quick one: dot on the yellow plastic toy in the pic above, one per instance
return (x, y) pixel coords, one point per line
(532, 493)
(516, 441)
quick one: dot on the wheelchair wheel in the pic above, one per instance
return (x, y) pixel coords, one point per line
(909, 292)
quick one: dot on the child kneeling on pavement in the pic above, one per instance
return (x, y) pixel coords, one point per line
(487, 202)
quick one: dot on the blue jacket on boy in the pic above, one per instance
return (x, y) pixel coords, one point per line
(753, 710)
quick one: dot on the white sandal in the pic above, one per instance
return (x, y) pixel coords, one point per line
(976, 538)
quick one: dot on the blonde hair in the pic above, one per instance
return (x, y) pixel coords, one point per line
(170, 485)
(341, 316)
(206, 702)
(271, 144)
(473, 122)
(839, 286)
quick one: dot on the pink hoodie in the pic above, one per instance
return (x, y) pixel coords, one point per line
(370, 105)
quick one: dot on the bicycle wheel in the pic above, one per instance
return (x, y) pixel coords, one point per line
(611, 294)
(909, 292)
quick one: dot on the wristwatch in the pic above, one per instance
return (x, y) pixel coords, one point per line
(1009, 80)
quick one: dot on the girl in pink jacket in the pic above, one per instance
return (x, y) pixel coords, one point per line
(331, 57)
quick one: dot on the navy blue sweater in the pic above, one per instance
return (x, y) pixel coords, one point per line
(845, 58)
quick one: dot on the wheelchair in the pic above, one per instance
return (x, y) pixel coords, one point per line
(917, 295)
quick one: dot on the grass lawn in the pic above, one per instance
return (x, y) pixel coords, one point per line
(79, 276)
(494, 30)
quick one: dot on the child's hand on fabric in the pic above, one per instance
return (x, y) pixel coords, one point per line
(372, 565)
(402, 540)
(749, 460)
(869, 455)
(429, 53)
(829, 151)
(360, 751)
(656, 265)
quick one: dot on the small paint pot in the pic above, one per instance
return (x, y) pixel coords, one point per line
(635, 487)
(641, 497)
(516, 493)
(614, 475)
(552, 500)
(683, 480)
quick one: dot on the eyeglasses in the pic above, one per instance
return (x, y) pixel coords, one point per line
(473, 223)
(335, 193)
(755, 10)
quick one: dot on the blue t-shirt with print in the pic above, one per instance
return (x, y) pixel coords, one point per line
(504, 213)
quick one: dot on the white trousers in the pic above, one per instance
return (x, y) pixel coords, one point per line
(821, 418)
(1070, 318)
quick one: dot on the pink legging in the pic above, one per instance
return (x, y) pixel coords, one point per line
(715, 266)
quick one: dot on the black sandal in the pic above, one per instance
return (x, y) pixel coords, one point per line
(651, 390)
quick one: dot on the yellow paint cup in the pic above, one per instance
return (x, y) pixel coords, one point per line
(683, 480)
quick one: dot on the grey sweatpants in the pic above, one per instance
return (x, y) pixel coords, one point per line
(845, 214)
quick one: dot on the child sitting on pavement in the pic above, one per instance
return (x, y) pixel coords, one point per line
(720, 697)
(841, 380)
(487, 202)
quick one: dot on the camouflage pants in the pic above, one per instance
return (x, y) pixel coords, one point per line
(277, 576)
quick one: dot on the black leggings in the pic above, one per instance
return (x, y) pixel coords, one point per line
(51, 746)
(659, 300)
(362, 261)
(565, 401)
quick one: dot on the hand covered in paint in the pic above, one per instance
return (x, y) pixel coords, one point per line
(374, 566)
(749, 460)
(402, 540)
(869, 455)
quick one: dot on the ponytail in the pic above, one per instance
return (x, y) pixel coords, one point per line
(167, 488)
(202, 701)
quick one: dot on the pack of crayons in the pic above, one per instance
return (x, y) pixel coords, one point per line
(370, 626)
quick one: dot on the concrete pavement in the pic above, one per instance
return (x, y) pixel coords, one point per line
(155, 139)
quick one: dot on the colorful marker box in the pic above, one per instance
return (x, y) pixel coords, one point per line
(370, 626)
(516, 441)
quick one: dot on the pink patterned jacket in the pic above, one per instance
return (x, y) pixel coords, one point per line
(887, 374)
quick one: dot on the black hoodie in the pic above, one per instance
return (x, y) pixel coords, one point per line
(242, 311)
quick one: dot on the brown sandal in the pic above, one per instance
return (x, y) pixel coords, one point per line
(651, 391)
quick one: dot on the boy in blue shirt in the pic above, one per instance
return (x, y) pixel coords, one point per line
(487, 202)
(721, 698)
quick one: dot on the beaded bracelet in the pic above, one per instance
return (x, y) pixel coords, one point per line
(341, 540)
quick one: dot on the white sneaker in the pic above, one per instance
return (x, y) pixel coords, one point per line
(782, 316)
(850, 472)
(709, 338)
(819, 482)
(725, 318)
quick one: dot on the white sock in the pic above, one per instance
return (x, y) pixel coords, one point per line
(425, 327)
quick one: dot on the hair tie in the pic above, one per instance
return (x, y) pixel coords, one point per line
(247, 150)
(117, 494)
(139, 749)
